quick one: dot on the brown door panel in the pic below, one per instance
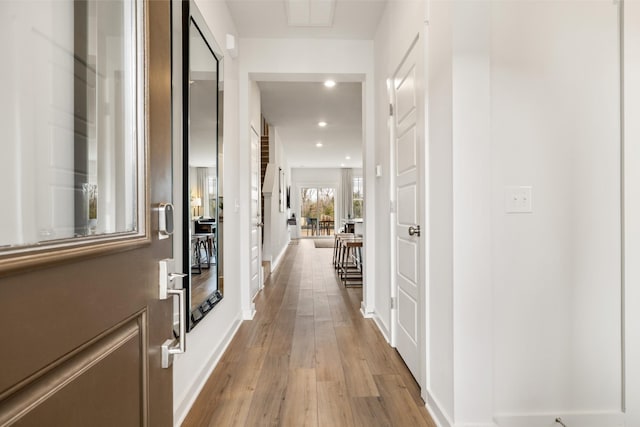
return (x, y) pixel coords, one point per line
(109, 374)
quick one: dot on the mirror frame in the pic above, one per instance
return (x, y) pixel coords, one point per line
(191, 15)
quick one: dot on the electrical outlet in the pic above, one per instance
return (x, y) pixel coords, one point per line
(518, 199)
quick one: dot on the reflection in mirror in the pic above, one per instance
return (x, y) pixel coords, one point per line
(203, 148)
(68, 119)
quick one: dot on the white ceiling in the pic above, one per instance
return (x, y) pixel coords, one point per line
(268, 19)
(295, 108)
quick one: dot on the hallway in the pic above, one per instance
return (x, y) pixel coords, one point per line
(309, 358)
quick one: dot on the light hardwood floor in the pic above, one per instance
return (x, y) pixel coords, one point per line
(309, 358)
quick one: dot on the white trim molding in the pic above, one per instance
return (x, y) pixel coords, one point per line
(276, 262)
(384, 330)
(437, 413)
(571, 419)
(206, 371)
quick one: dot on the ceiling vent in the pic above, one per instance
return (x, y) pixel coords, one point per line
(310, 13)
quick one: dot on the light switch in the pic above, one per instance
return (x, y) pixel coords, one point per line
(518, 199)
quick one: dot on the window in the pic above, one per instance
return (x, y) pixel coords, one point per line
(71, 122)
(358, 197)
(317, 211)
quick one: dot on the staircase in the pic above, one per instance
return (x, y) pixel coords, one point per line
(264, 159)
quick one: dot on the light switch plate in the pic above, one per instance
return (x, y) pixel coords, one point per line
(518, 199)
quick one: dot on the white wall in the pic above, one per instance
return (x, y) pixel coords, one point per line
(632, 211)
(555, 124)
(280, 230)
(530, 302)
(207, 341)
(440, 160)
(255, 111)
(277, 233)
(471, 155)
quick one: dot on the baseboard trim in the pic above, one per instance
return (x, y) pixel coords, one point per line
(248, 314)
(382, 327)
(582, 419)
(205, 373)
(275, 263)
(436, 411)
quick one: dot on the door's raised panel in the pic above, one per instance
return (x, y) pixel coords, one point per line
(406, 151)
(406, 95)
(407, 261)
(52, 312)
(86, 388)
(408, 214)
(408, 315)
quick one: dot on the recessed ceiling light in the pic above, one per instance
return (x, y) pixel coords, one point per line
(348, 158)
(319, 144)
(341, 164)
(322, 124)
(329, 83)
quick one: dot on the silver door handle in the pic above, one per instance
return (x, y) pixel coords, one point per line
(414, 231)
(170, 347)
(167, 288)
(176, 276)
(260, 224)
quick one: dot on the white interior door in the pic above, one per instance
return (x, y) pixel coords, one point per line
(407, 140)
(256, 220)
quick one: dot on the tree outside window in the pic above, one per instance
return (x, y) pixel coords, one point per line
(317, 210)
(358, 197)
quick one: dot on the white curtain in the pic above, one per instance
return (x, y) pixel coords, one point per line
(202, 186)
(346, 197)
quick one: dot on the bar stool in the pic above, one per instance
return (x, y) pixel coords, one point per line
(199, 243)
(351, 261)
(337, 246)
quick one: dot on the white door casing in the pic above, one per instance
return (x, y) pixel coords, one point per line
(256, 220)
(407, 139)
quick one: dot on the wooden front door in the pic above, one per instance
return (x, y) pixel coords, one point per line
(82, 324)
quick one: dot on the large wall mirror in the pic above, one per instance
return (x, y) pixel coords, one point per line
(202, 198)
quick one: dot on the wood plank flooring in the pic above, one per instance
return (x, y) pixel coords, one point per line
(309, 358)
